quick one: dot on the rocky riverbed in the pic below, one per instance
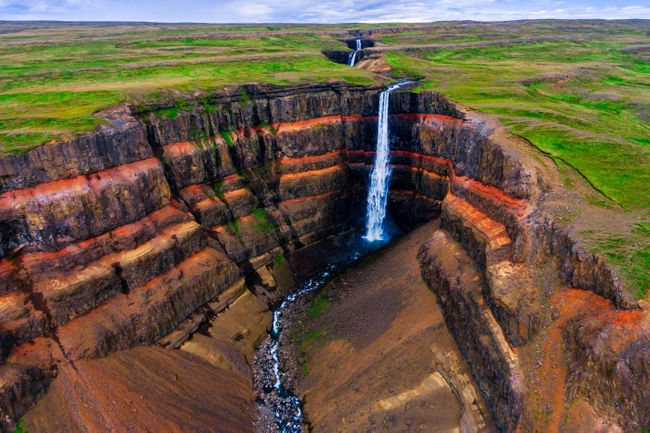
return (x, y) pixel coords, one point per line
(276, 369)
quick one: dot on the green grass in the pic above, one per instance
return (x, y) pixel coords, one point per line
(632, 257)
(262, 221)
(53, 81)
(304, 369)
(20, 427)
(235, 227)
(589, 120)
(227, 138)
(311, 338)
(217, 187)
(584, 102)
(279, 260)
(319, 305)
(303, 340)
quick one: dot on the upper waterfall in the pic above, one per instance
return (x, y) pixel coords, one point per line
(353, 54)
(380, 176)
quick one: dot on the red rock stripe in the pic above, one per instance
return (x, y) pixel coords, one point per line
(61, 188)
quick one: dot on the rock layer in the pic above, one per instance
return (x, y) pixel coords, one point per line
(156, 224)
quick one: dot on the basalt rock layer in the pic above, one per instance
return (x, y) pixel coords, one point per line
(172, 220)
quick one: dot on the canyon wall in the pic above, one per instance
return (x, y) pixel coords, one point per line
(143, 230)
(540, 319)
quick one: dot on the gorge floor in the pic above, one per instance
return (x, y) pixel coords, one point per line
(376, 354)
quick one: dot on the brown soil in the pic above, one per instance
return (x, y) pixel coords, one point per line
(545, 360)
(376, 64)
(377, 364)
(146, 389)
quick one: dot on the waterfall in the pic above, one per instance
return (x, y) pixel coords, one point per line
(380, 176)
(353, 54)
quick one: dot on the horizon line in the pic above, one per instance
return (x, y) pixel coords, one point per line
(297, 23)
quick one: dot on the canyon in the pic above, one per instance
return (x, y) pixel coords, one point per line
(147, 256)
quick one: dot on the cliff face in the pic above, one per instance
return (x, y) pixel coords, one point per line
(540, 320)
(117, 238)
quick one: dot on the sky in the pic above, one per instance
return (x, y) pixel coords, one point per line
(317, 11)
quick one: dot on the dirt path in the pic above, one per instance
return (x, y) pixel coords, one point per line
(375, 353)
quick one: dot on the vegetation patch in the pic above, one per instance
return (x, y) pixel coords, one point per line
(279, 260)
(631, 255)
(234, 226)
(20, 427)
(217, 187)
(310, 338)
(262, 221)
(168, 113)
(319, 305)
(303, 341)
(245, 97)
(227, 138)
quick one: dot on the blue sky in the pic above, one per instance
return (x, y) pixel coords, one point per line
(317, 11)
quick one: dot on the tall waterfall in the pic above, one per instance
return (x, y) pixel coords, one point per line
(380, 176)
(353, 54)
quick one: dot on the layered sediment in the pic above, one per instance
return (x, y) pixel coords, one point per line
(166, 222)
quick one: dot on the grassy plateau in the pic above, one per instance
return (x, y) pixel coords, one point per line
(577, 90)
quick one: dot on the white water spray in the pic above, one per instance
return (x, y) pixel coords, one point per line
(353, 54)
(380, 176)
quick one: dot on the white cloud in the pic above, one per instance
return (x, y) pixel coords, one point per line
(243, 10)
(317, 11)
(465, 3)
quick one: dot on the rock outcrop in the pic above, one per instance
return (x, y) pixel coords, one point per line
(150, 228)
(504, 273)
